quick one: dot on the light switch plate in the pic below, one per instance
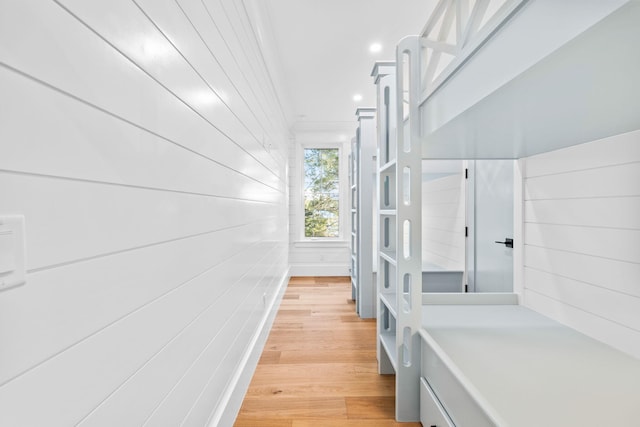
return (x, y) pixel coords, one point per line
(12, 251)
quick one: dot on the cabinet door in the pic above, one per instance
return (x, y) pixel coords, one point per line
(431, 412)
(490, 220)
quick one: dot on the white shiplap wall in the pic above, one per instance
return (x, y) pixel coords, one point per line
(582, 238)
(145, 145)
(443, 221)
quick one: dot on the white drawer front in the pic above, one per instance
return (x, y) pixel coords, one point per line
(431, 412)
(462, 409)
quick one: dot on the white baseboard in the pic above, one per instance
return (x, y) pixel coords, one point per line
(226, 412)
(320, 270)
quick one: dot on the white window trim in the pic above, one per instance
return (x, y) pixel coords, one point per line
(343, 177)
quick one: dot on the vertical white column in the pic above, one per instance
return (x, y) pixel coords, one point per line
(353, 204)
(384, 74)
(409, 229)
(365, 184)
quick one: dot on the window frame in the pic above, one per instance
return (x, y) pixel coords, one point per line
(343, 178)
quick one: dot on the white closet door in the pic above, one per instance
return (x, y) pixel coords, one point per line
(493, 214)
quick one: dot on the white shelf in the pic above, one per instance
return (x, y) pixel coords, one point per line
(388, 256)
(390, 300)
(389, 167)
(388, 341)
(388, 212)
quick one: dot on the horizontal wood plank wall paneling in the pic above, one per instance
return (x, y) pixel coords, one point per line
(319, 365)
(101, 365)
(117, 85)
(443, 221)
(130, 217)
(50, 308)
(176, 361)
(147, 148)
(582, 228)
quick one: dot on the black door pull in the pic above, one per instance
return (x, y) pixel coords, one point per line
(507, 242)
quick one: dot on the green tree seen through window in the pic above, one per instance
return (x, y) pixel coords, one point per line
(321, 192)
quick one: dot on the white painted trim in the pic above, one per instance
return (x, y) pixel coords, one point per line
(320, 243)
(457, 298)
(320, 270)
(343, 178)
(229, 405)
(469, 40)
(518, 228)
(466, 385)
(344, 127)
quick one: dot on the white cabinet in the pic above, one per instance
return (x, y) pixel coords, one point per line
(353, 202)
(432, 414)
(496, 364)
(399, 256)
(384, 75)
(452, 397)
(363, 171)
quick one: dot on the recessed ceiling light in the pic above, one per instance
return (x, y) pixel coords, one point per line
(357, 97)
(375, 47)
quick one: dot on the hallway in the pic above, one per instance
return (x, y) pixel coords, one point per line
(319, 365)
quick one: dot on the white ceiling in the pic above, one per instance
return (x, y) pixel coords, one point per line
(322, 47)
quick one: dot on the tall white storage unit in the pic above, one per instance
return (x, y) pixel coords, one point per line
(384, 74)
(400, 259)
(545, 104)
(363, 167)
(353, 204)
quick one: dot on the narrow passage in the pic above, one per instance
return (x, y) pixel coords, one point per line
(319, 364)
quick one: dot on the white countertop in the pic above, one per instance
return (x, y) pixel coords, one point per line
(533, 371)
(430, 267)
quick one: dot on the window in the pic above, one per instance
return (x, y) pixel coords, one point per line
(321, 192)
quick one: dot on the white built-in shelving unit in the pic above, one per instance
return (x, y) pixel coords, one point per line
(353, 204)
(384, 77)
(399, 257)
(445, 110)
(363, 172)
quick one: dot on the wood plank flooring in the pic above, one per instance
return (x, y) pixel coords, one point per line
(319, 364)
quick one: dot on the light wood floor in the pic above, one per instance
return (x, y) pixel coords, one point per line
(319, 364)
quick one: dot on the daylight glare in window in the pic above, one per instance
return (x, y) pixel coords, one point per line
(321, 192)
